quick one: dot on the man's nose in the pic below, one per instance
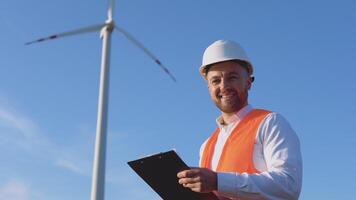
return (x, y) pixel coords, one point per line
(224, 83)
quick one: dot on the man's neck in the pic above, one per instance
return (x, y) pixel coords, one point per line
(227, 117)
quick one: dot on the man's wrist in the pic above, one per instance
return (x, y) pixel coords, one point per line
(215, 186)
(226, 184)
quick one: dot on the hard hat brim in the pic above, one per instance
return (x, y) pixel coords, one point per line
(202, 68)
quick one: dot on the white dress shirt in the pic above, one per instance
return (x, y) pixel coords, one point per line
(276, 155)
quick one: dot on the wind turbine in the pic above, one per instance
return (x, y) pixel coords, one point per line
(98, 179)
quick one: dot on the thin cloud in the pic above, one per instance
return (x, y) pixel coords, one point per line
(14, 190)
(17, 189)
(24, 125)
(20, 132)
(69, 165)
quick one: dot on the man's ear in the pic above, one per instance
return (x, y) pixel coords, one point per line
(209, 87)
(251, 79)
(207, 82)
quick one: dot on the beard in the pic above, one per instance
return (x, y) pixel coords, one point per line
(232, 102)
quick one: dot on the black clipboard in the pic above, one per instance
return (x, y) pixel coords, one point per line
(160, 172)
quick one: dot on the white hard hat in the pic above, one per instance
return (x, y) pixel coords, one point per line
(224, 50)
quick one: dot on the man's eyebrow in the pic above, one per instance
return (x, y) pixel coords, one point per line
(233, 73)
(214, 77)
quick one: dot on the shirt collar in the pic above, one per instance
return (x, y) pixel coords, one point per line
(237, 117)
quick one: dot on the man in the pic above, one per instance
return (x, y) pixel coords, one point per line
(254, 153)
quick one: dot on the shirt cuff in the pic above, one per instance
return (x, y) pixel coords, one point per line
(228, 184)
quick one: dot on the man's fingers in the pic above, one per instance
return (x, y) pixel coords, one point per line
(198, 179)
(182, 174)
(189, 180)
(188, 173)
(196, 187)
(193, 186)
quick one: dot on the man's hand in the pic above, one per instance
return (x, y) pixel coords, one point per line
(198, 179)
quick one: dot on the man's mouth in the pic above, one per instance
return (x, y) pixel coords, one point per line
(226, 96)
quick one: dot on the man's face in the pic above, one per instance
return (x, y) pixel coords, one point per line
(228, 84)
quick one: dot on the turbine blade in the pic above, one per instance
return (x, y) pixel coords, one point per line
(111, 9)
(69, 33)
(140, 45)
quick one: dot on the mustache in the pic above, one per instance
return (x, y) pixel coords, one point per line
(225, 92)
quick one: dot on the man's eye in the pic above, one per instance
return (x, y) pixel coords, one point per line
(215, 81)
(234, 78)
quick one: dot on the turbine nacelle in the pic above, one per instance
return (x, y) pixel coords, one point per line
(108, 26)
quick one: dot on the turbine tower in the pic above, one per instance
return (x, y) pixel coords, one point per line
(98, 179)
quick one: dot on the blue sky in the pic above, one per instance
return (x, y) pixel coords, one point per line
(303, 53)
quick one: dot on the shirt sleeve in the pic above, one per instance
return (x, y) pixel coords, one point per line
(283, 178)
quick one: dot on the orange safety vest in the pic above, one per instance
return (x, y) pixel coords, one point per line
(237, 153)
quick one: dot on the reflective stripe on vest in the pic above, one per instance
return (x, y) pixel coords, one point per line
(237, 153)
